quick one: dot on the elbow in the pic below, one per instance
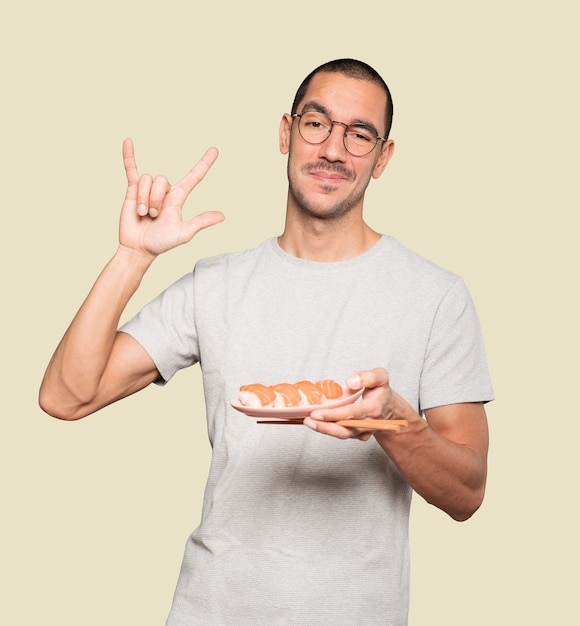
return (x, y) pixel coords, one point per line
(51, 405)
(470, 495)
(58, 412)
(468, 508)
(462, 516)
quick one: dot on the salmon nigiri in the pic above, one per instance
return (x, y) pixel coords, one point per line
(311, 394)
(286, 395)
(256, 394)
(330, 388)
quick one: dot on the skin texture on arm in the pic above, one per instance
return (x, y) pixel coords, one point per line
(444, 457)
(94, 364)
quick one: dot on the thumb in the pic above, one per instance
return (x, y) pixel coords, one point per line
(369, 379)
(354, 383)
(199, 222)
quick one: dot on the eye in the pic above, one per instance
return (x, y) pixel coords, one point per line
(315, 122)
(360, 134)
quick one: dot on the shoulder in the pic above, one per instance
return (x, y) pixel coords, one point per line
(418, 273)
(229, 260)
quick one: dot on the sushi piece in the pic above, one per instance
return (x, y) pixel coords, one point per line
(304, 392)
(309, 392)
(256, 394)
(330, 388)
(286, 395)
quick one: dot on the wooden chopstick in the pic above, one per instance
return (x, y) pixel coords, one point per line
(299, 422)
(374, 424)
(368, 424)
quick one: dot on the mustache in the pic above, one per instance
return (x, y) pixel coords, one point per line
(336, 168)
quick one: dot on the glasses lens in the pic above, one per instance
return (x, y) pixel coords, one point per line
(314, 127)
(359, 140)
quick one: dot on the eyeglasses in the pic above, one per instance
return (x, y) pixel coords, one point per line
(315, 128)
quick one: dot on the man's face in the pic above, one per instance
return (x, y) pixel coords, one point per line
(324, 179)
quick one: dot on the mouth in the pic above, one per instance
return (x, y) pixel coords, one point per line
(328, 174)
(326, 178)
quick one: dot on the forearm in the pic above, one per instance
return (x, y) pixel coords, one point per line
(449, 474)
(77, 366)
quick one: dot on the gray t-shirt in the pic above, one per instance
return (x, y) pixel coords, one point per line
(298, 528)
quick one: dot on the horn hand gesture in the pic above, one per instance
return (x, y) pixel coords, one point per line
(151, 217)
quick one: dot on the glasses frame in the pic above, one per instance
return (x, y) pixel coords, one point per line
(346, 127)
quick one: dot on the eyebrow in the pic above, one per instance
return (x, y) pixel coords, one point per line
(312, 105)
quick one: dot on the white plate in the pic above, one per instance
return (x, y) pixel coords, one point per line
(290, 412)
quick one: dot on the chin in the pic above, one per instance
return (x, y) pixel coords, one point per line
(325, 210)
(320, 204)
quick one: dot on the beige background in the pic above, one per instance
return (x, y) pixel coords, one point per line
(95, 514)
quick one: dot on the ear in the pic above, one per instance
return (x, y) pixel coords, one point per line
(285, 130)
(387, 152)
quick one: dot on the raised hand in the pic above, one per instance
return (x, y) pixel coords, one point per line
(151, 217)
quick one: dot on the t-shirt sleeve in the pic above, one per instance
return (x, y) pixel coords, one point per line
(166, 329)
(455, 367)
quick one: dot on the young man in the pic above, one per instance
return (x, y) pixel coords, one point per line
(298, 527)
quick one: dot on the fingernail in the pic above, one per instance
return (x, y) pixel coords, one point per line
(153, 212)
(142, 209)
(310, 423)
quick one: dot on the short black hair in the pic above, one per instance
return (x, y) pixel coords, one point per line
(354, 69)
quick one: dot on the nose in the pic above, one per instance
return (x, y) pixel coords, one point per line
(333, 148)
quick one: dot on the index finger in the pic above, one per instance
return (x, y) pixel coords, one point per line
(197, 173)
(357, 410)
(129, 161)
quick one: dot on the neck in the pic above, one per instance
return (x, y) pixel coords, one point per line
(326, 240)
